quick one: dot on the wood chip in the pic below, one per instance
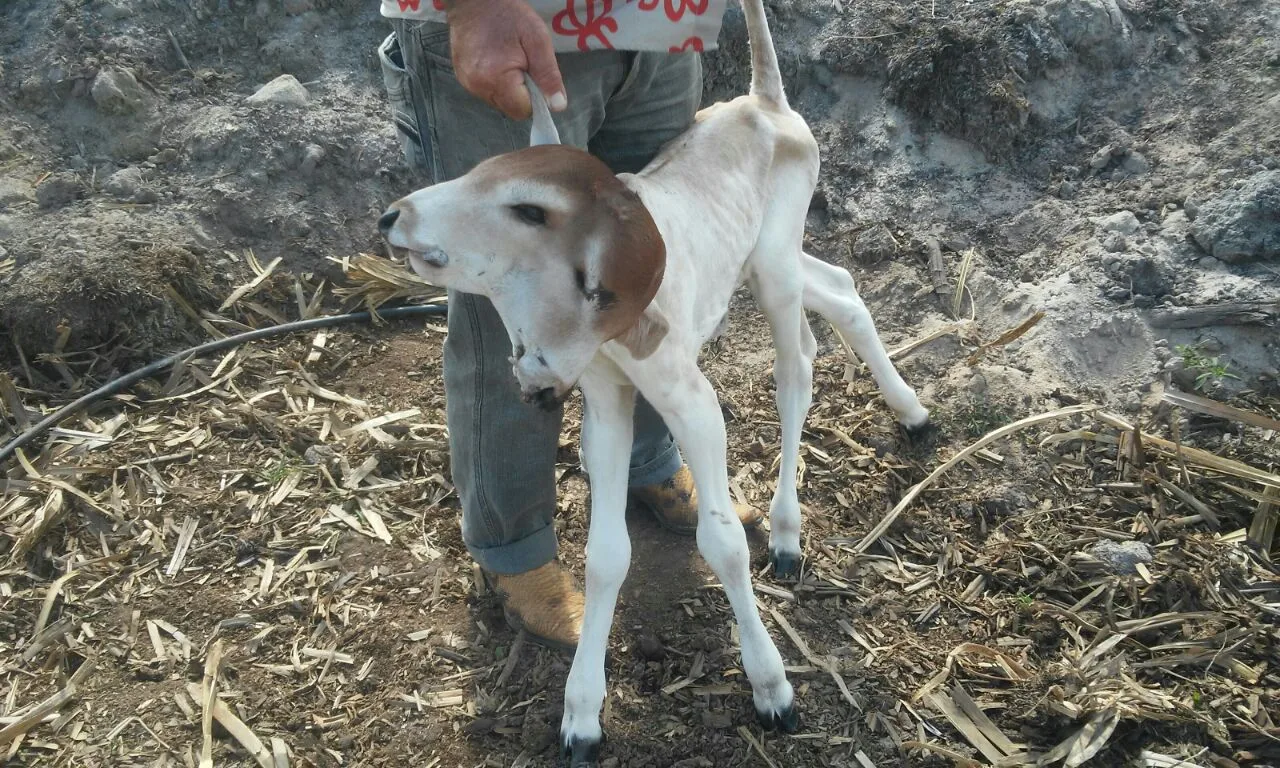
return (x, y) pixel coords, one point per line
(756, 745)
(888, 520)
(382, 421)
(206, 692)
(828, 665)
(234, 726)
(1262, 529)
(52, 704)
(50, 597)
(1221, 410)
(180, 549)
(250, 288)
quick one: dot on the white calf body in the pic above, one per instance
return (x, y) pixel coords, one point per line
(729, 200)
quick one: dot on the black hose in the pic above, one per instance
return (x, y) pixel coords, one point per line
(122, 383)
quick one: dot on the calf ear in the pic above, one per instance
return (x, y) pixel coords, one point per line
(644, 336)
(543, 129)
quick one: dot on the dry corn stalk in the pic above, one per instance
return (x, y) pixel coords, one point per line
(378, 281)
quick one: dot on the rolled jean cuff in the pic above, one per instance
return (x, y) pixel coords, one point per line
(660, 469)
(533, 551)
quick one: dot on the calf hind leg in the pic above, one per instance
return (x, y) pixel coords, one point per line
(829, 291)
(779, 298)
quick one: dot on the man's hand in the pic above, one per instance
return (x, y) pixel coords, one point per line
(494, 43)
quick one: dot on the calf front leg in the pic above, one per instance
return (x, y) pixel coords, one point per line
(686, 401)
(606, 441)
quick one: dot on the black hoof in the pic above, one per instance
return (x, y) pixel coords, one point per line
(785, 566)
(786, 721)
(921, 435)
(575, 752)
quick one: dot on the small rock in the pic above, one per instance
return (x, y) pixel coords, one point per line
(1123, 222)
(1191, 208)
(1096, 30)
(1068, 190)
(116, 11)
(822, 74)
(150, 673)
(116, 92)
(1101, 158)
(33, 89)
(481, 726)
(1148, 278)
(535, 732)
(1210, 344)
(13, 191)
(1115, 242)
(1121, 557)
(146, 195)
(717, 720)
(819, 201)
(311, 157)
(59, 190)
(874, 245)
(285, 90)
(320, 454)
(1242, 224)
(1142, 301)
(124, 183)
(164, 156)
(1135, 164)
(1175, 225)
(650, 647)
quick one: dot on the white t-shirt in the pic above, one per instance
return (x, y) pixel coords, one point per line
(588, 25)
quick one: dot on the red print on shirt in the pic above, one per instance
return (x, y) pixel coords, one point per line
(408, 5)
(675, 8)
(586, 20)
(692, 44)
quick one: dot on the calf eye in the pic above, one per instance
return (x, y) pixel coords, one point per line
(530, 214)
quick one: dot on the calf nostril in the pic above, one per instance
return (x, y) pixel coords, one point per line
(388, 220)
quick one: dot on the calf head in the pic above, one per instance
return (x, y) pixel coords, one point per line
(567, 253)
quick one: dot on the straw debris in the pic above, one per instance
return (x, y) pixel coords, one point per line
(257, 561)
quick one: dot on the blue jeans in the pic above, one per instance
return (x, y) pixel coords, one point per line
(623, 107)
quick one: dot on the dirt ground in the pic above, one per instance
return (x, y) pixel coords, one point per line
(1046, 203)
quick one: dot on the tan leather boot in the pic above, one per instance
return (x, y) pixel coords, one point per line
(675, 504)
(544, 603)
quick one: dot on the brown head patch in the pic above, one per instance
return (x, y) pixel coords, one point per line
(606, 218)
